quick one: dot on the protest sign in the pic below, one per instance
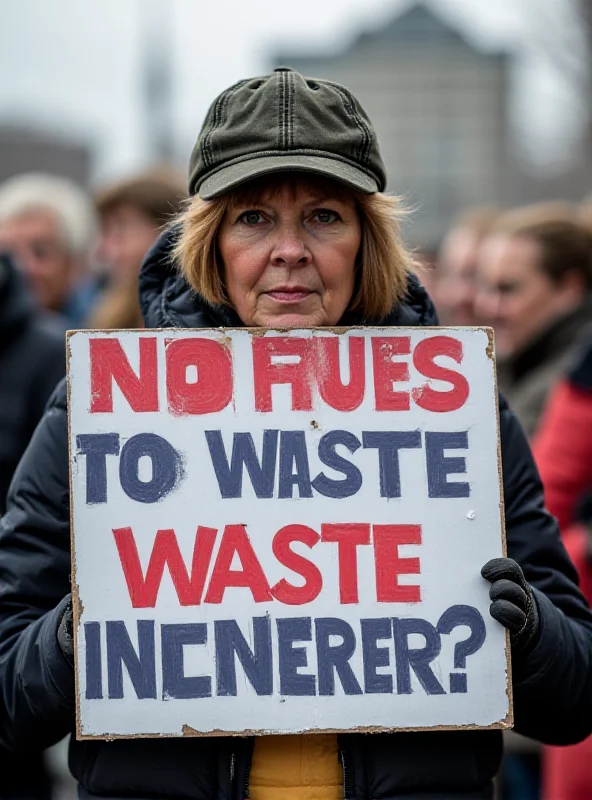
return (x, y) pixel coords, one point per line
(284, 531)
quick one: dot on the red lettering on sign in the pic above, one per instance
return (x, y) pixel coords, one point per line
(340, 396)
(389, 565)
(423, 359)
(212, 389)
(347, 536)
(387, 372)
(108, 363)
(284, 591)
(297, 374)
(143, 591)
(236, 541)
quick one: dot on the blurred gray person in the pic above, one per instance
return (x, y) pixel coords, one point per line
(48, 224)
(456, 272)
(535, 289)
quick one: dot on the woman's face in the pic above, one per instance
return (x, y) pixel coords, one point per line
(289, 258)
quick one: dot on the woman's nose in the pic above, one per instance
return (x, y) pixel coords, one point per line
(290, 248)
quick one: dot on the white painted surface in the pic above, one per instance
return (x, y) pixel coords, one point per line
(458, 536)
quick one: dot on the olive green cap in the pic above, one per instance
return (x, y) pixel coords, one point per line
(285, 122)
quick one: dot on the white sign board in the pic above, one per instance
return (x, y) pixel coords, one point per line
(284, 531)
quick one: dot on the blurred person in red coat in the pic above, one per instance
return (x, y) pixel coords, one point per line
(563, 451)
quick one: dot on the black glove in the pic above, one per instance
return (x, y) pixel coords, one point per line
(66, 632)
(513, 603)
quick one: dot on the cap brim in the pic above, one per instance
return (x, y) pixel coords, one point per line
(235, 174)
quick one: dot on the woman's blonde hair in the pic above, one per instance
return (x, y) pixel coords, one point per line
(383, 262)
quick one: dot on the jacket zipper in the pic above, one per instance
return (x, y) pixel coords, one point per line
(347, 788)
(248, 771)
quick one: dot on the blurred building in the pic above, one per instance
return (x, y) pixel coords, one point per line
(439, 107)
(27, 150)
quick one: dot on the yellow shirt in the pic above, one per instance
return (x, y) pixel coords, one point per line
(296, 768)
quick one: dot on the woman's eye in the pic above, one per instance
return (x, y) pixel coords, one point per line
(251, 217)
(325, 216)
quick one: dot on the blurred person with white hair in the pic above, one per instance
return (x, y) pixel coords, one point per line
(48, 224)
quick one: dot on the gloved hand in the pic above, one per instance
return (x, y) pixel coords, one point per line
(66, 632)
(513, 603)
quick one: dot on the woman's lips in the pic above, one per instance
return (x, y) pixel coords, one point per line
(289, 295)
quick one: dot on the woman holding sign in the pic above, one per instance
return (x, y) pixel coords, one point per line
(287, 227)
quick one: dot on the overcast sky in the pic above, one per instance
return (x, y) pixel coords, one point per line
(75, 65)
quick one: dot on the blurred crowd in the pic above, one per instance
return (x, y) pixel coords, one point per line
(68, 260)
(527, 273)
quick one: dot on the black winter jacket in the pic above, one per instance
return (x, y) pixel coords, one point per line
(552, 684)
(32, 362)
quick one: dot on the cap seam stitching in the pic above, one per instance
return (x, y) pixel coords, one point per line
(287, 108)
(280, 93)
(352, 112)
(365, 146)
(224, 108)
(224, 111)
(291, 98)
(208, 160)
(217, 121)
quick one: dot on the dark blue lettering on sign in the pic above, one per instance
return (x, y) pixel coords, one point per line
(94, 678)
(167, 467)
(141, 666)
(290, 658)
(96, 447)
(257, 663)
(469, 616)
(238, 660)
(352, 481)
(230, 476)
(374, 656)
(175, 684)
(440, 467)
(293, 454)
(417, 659)
(388, 444)
(334, 658)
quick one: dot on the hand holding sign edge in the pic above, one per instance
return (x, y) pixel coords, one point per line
(512, 602)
